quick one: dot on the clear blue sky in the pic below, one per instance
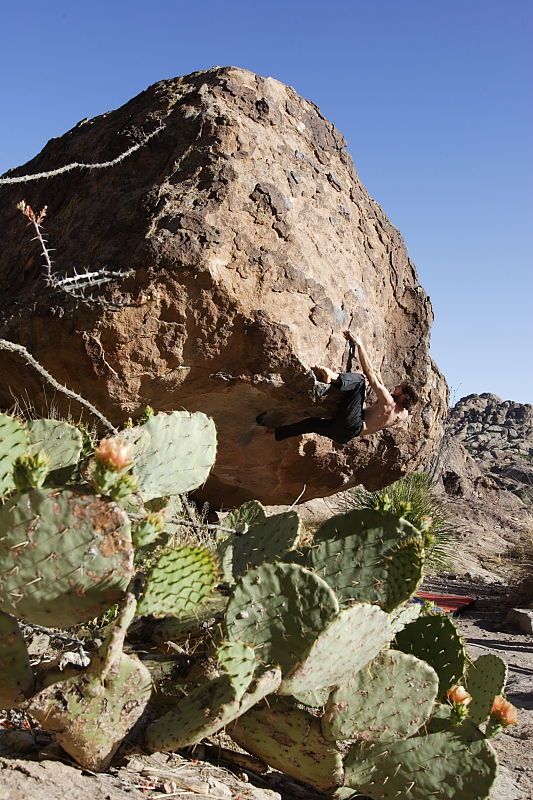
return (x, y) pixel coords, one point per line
(433, 96)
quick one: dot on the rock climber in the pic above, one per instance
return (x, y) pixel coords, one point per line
(352, 418)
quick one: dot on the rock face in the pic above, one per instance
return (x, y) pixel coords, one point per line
(498, 435)
(253, 246)
(483, 470)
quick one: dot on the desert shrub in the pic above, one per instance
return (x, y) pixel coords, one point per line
(414, 498)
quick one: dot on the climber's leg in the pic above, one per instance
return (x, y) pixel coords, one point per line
(347, 422)
(308, 425)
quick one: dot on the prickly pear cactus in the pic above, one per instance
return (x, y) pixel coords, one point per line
(390, 699)
(16, 676)
(279, 609)
(238, 661)
(173, 453)
(346, 644)
(366, 555)
(267, 540)
(14, 443)
(241, 518)
(224, 551)
(442, 766)
(434, 639)
(147, 533)
(207, 709)
(316, 699)
(403, 615)
(61, 442)
(405, 564)
(66, 556)
(486, 678)
(290, 739)
(91, 713)
(90, 720)
(31, 471)
(179, 583)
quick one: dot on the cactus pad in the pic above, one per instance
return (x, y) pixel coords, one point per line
(206, 710)
(66, 556)
(173, 453)
(316, 699)
(180, 582)
(434, 639)
(16, 676)
(405, 564)
(367, 555)
(485, 679)
(280, 609)
(347, 644)
(266, 541)
(14, 443)
(90, 718)
(238, 661)
(390, 699)
(442, 766)
(403, 615)
(290, 739)
(61, 442)
(224, 551)
(240, 519)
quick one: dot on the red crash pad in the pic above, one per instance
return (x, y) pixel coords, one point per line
(450, 603)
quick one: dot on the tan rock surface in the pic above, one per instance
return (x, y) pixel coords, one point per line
(254, 246)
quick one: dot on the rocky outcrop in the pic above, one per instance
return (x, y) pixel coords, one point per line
(498, 435)
(486, 441)
(253, 245)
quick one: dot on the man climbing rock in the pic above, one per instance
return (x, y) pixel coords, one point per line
(352, 418)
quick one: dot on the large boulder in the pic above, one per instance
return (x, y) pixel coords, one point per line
(254, 246)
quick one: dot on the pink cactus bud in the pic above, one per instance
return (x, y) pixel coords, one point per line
(458, 695)
(114, 453)
(503, 711)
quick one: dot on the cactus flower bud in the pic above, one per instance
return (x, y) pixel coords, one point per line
(458, 695)
(114, 454)
(503, 712)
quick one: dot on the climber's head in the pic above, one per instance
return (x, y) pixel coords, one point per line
(406, 395)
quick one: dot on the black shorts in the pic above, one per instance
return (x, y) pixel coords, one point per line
(348, 420)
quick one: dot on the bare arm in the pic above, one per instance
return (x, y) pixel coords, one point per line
(371, 374)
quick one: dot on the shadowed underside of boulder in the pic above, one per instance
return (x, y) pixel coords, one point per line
(254, 246)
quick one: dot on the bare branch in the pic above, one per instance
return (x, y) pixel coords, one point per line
(73, 285)
(29, 359)
(80, 165)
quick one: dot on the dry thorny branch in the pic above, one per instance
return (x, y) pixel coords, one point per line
(74, 285)
(78, 284)
(29, 359)
(81, 165)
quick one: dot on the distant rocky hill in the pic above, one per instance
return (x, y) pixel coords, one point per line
(498, 434)
(486, 471)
